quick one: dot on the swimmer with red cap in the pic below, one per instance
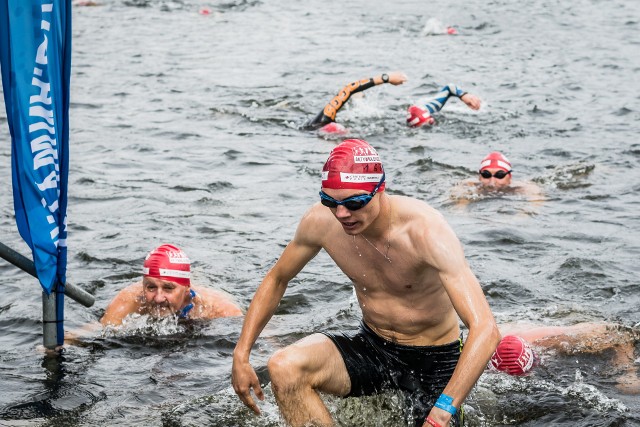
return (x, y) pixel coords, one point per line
(495, 176)
(517, 353)
(495, 170)
(418, 116)
(166, 290)
(325, 121)
(513, 356)
(413, 285)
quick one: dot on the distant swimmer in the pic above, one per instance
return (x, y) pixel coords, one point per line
(166, 290)
(413, 284)
(434, 27)
(495, 177)
(418, 116)
(515, 355)
(325, 121)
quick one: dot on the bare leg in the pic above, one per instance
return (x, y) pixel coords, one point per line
(302, 369)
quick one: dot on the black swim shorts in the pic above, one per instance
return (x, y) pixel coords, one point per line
(420, 372)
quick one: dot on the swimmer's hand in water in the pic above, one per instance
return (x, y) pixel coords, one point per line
(397, 78)
(244, 379)
(472, 101)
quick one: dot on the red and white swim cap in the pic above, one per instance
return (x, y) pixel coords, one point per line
(513, 356)
(495, 160)
(353, 164)
(417, 117)
(333, 128)
(168, 262)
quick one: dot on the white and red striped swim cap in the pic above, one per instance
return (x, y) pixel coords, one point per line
(495, 160)
(354, 164)
(167, 262)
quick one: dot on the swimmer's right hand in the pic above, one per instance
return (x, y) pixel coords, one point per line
(472, 101)
(244, 379)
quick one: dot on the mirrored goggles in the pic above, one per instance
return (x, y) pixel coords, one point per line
(352, 203)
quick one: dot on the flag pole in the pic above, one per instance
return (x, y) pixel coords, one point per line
(50, 320)
(25, 264)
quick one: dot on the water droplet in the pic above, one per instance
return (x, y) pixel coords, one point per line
(364, 289)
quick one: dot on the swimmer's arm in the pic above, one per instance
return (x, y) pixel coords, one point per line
(225, 306)
(265, 301)
(328, 114)
(124, 304)
(74, 336)
(472, 307)
(296, 255)
(534, 193)
(437, 102)
(461, 193)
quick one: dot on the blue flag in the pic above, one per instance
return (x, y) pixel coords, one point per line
(35, 59)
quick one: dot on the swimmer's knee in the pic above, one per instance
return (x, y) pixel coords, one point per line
(285, 369)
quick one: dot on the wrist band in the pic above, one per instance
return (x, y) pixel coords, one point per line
(433, 422)
(444, 402)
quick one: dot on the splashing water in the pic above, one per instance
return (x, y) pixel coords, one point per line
(144, 324)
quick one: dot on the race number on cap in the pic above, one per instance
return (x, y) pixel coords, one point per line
(354, 164)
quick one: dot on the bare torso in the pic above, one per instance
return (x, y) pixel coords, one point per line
(401, 295)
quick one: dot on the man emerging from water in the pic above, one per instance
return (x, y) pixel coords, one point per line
(413, 285)
(166, 290)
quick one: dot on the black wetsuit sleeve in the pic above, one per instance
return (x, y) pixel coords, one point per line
(328, 114)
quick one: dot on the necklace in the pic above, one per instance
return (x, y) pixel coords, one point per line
(387, 245)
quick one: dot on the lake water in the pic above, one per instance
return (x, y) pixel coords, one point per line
(184, 129)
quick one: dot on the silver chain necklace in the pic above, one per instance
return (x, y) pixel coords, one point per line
(387, 245)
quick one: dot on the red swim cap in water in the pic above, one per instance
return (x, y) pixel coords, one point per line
(417, 117)
(168, 262)
(495, 160)
(353, 164)
(513, 356)
(333, 128)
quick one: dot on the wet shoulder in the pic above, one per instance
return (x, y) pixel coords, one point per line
(131, 292)
(215, 303)
(410, 210)
(423, 227)
(317, 222)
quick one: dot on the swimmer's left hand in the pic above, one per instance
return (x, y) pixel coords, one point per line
(438, 415)
(397, 78)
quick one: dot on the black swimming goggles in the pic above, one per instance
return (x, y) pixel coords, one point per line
(352, 203)
(498, 175)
